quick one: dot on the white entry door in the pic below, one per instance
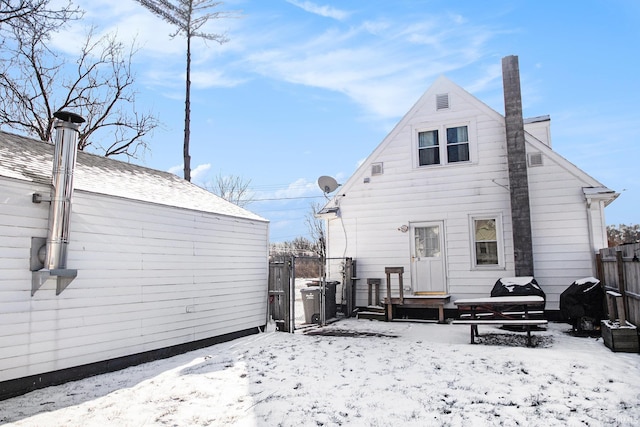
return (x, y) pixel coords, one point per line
(427, 258)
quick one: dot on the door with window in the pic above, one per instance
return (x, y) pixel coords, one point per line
(427, 258)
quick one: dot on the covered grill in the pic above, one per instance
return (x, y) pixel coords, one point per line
(517, 286)
(583, 303)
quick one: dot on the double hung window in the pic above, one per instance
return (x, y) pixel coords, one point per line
(432, 152)
(428, 148)
(487, 241)
(457, 144)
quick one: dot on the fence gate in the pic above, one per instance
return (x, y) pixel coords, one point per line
(318, 302)
(281, 288)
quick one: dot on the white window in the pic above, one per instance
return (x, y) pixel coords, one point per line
(487, 245)
(456, 148)
(428, 148)
(457, 144)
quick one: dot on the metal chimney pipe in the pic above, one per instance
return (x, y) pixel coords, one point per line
(64, 161)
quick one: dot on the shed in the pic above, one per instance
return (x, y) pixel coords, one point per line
(163, 266)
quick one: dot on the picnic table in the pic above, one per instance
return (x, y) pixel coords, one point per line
(510, 310)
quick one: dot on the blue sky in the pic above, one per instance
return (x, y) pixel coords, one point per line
(310, 88)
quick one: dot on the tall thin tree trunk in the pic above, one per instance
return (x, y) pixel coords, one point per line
(187, 113)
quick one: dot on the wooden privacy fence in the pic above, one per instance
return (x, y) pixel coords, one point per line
(619, 271)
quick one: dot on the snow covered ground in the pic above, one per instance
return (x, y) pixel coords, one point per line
(358, 373)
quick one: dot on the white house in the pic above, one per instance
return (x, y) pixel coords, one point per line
(161, 266)
(435, 199)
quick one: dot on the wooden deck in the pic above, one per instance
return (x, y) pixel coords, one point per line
(417, 301)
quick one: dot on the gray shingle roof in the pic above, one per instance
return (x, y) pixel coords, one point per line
(31, 160)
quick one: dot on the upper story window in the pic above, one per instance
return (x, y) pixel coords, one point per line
(428, 148)
(432, 152)
(457, 144)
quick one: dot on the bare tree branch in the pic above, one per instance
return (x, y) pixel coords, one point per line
(231, 188)
(16, 12)
(35, 82)
(316, 230)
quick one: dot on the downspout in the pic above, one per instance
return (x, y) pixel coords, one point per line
(517, 161)
(591, 240)
(54, 261)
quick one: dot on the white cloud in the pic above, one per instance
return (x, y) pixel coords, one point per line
(198, 173)
(491, 77)
(299, 188)
(162, 56)
(381, 65)
(176, 170)
(325, 11)
(202, 79)
(372, 64)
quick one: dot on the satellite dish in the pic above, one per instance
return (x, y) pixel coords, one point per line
(327, 184)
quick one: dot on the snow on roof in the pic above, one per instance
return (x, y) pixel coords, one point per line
(31, 160)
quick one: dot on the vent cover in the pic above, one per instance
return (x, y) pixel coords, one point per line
(535, 159)
(376, 169)
(442, 101)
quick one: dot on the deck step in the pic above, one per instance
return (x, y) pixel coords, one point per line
(373, 312)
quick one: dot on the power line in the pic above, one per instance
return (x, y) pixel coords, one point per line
(286, 198)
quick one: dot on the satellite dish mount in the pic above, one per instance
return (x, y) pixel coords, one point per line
(327, 184)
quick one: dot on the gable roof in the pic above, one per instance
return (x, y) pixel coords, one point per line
(444, 85)
(31, 160)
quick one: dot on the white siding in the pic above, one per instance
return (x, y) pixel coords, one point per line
(372, 213)
(141, 267)
(560, 228)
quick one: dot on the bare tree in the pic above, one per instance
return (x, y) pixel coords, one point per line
(16, 12)
(36, 81)
(231, 188)
(623, 233)
(188, 16)
(316, 229)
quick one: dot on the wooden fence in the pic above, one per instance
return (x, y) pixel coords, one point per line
(619, 270)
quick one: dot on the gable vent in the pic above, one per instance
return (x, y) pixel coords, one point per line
(376, 169)
(442, 101)
(535, 159)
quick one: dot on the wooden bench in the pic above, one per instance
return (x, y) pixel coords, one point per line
(512, 311)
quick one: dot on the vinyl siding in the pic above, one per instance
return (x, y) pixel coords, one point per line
(140, 266)
(371, 213)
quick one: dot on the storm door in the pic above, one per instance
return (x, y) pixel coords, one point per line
(427, 258)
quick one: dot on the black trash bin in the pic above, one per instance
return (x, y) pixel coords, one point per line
(331, 309)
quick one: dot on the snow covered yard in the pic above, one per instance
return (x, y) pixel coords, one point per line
(358, 373)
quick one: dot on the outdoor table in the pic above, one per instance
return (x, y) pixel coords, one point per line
(511, 310)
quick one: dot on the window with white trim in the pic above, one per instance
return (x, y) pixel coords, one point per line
(487, 243)
(428, 148)
(457, 144)
(455, 150)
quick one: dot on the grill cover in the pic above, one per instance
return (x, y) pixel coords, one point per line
(517, 286)
(584, 298)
